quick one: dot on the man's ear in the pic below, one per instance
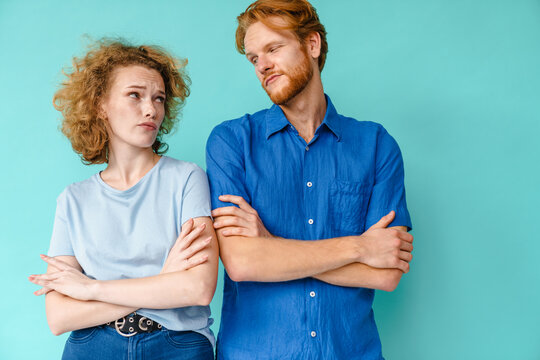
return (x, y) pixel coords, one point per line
(313, 44)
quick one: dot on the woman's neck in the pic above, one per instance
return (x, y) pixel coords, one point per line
(125, 169)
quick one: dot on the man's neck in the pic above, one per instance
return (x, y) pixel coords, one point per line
(307, 109)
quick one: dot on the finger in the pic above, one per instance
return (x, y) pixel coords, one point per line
(405, 236)
(225, 221)
(384, 221)
(234, 231)
(186, 241)
(406, 246)
(42, 291)
(404, 266)
(59, 264)
(405, 256)
(237, 200)
(186, 228)
(39, 281)
(197, 246)
(226, 210)
(196, 260)
(49, 276)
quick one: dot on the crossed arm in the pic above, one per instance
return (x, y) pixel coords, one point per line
(188, 277)
(375, 259)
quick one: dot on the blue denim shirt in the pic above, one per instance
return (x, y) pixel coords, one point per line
(340, 183)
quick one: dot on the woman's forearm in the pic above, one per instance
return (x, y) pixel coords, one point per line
(67, 314)
(184, 288)
(195, 286)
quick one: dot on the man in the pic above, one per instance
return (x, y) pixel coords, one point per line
(309, 205)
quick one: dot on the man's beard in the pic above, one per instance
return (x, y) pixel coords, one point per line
(299, 77)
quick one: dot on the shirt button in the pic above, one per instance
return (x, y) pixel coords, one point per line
(309, 184)
(310, 221)
(307, 148)
(313, 334)
(312, 294)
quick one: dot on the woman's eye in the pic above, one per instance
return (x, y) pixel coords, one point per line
(134, 95)
(160, 99)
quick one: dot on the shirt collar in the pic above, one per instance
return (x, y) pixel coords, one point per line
(276, 120)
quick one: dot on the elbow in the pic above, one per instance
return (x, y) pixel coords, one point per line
(237, 271)
(55, 325)
(204, 293)
(390, 280)
(54, 317)
(237, 266)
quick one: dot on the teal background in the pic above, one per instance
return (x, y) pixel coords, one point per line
(457, 83)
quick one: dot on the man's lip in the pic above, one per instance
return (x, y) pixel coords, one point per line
(149, 124)
(270, 78)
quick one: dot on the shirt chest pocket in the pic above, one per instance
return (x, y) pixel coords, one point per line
(348, 205)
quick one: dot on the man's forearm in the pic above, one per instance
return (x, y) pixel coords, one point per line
(277, 259)
(361, 275)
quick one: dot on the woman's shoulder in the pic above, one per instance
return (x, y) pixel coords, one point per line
(80, 189)
(179, 166)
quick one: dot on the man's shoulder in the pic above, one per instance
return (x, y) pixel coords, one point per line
(238, 129)
(353, 128)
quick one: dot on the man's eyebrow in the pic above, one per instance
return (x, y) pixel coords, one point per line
(266, 46)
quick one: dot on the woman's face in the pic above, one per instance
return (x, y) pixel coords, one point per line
(134, 107)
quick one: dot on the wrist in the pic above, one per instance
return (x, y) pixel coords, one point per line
(95, 289)
(358, 248)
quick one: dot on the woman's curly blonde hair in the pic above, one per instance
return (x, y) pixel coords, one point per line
(80, 95)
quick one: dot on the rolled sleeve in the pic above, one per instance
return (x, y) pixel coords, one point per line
(60, 240)
(196, 196)
(389, 190)
(225, 166)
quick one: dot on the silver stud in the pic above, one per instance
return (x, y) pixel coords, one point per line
(131, 329)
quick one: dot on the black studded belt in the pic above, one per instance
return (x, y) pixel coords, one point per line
(133, 324)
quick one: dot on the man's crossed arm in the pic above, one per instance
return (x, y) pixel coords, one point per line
(376, 259)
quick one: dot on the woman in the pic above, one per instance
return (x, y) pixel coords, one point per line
(133, 258)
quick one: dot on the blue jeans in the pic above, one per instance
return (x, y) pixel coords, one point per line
(104, 343)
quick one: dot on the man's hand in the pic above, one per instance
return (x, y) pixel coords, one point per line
(240, 221)
(385, 248)
(184, 254)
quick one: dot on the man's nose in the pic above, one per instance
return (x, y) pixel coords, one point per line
(263, 64)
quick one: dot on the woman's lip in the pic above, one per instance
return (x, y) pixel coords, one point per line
(149, 126)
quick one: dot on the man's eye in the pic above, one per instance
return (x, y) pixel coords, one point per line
(254, 61)
(134, 95)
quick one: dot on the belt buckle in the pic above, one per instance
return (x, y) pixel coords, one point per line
(119, 323)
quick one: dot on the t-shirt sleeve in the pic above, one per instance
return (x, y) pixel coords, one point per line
(196, 196)
(389, 190)
(225, 166)
(60, 240)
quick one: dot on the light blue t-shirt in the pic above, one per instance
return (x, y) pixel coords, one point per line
(128, 234)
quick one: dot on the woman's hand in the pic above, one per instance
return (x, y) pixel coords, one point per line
(184, 254)
(66, 280)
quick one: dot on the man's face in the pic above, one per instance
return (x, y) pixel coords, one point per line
(281, 62)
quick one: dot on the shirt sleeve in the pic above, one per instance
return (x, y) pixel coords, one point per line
(389, 190)
(225, 166)
(60, 240)
(196, 195)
